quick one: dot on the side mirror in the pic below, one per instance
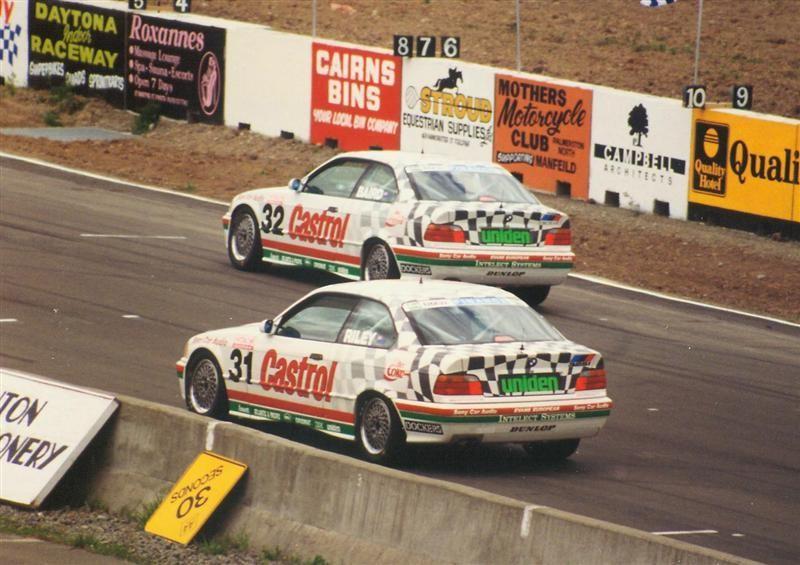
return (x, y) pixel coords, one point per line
(296, 185)
(267, 326)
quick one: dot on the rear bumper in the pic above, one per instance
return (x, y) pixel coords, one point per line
(503, 422)
(502, 268)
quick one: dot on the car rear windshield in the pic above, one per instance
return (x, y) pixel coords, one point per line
(452, 322)
(467, 184)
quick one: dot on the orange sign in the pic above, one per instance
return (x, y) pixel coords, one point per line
(542, 132)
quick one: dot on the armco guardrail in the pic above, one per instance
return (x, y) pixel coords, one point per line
(306, 500)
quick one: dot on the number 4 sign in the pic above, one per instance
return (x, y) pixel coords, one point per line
(190, 503)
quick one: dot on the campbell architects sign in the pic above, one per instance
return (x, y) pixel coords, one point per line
(44, 427)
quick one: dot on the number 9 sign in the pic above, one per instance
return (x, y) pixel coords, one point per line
(742, 96)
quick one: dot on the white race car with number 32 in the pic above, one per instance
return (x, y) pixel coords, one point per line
(389, 214)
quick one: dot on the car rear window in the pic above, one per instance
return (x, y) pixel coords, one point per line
(477, 320)
(467, 184)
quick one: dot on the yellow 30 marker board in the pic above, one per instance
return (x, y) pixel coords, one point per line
(195, 496)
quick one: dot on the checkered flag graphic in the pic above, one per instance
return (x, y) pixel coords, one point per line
(656, 3)
(8, 42)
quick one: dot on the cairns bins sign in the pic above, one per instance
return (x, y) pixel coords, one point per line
(746, 164)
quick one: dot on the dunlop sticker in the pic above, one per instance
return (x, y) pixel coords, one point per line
(199, 491)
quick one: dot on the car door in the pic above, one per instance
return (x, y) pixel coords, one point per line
(298, 368)
(321, 218)
(372, 201)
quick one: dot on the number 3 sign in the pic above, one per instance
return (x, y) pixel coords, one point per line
(201, 488)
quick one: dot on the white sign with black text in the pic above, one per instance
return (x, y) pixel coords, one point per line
(44, 427)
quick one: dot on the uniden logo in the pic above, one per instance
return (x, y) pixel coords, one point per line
(506, 237)
(710, 157)
(528, 384)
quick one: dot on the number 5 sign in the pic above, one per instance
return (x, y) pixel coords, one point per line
(201, 488)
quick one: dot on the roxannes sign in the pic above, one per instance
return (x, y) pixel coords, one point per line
(44, 427)
(355, 97)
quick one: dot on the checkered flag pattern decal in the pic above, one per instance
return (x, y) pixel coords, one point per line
(8, 42)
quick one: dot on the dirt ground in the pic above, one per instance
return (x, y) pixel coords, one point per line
(624, 45)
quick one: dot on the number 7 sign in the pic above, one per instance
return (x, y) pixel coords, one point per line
(199, 491)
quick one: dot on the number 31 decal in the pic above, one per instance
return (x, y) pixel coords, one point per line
(273, 218)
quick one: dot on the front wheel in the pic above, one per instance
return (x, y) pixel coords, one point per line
(378, 431)
(533, 295)
(205, 390)
(244, 241)
(379, 264)
(552, 451)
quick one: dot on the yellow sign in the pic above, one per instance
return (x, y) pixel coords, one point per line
(195, 496)
(745, 163)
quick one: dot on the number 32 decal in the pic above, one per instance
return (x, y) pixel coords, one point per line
(273, 218)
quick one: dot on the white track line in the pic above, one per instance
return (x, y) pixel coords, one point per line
(684, 532)
(589, 278)
(8, 320)
(123, 236)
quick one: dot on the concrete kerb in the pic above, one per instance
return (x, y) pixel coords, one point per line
(307, 500)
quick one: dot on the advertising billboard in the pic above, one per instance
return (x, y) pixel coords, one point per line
(14, 42)
(640, 151)
(447, 108)
(77, 45)
(178, 65)
(542, 133)
(743, 162)
(355, 97)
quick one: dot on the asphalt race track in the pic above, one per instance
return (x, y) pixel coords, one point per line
(702, 445)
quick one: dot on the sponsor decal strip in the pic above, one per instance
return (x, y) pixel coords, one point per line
(283, 416)
(484, 261)
(311, 252)
(487, 414)
(295, 407)
(516, 419)
(302, 261)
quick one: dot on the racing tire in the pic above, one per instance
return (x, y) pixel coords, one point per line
(244, 241)
(379, 432)
(552, 451)
(379, 264)
(205, 389)
(533, 295)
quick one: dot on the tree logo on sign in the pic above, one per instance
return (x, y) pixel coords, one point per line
(639, 124)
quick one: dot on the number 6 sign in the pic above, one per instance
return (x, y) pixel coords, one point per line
(201, 488)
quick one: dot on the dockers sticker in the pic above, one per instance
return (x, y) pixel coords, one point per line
(199, 491)
(355, 97)
(542, 132)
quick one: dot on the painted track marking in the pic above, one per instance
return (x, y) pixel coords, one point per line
(684, 532)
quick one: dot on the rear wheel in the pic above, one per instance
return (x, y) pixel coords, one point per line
(378, 430)
(533, 295)
(552, 451)
(205, 390)
(379, 264)
(244, 241)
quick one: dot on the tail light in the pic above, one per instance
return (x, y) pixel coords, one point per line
(459, 384)
(591, 379)
(558, 236)
(444, 233)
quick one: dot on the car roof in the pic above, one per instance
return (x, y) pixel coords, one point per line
(399, 159)
(394, 293)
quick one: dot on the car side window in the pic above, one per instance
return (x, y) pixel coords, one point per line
(378, 185)
(371, 325)
(320, 318)
(338, 179)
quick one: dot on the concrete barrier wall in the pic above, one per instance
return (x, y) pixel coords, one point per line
(310, 501)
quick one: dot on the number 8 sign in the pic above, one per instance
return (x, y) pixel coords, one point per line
(199, 491)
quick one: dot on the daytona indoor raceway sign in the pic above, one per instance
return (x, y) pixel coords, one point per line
(44, 427)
